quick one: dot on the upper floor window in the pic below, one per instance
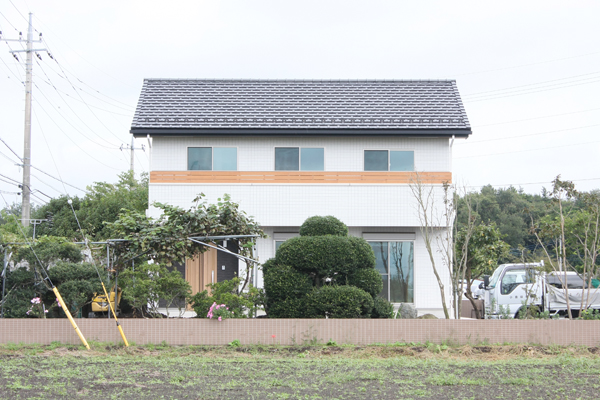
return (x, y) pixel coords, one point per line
(389, 160)
(212, 158)
(299, 159)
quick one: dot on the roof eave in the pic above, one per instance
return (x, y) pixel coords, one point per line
(444, 132)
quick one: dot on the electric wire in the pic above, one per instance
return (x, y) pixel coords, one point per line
(77, 115)
(462, 143)
(530, 92)
(72, 141)
(529, 64)
(534, 118)
(14, 152)
(486, 93)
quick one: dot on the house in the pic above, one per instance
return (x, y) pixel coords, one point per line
(289, 149)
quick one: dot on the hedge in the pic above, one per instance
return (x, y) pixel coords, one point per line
(368, 280)
(340, 302)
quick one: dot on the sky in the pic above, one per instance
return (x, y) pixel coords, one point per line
(528, 73)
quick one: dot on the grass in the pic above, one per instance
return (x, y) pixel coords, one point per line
(413, 370)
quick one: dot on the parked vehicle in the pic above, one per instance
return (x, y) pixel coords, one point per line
(516, 287)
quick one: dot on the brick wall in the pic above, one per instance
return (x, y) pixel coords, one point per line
(301, 331)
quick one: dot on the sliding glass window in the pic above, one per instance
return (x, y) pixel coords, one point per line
(395, 263)
(299, 159)
(389, 160)
(212, 158)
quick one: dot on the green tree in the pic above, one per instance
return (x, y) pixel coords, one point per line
(145, 286)
(323, 273)
(166, 239)
(481, 254)
(102, 204)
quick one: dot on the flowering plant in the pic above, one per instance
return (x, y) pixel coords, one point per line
(219, 311)
(37, 308)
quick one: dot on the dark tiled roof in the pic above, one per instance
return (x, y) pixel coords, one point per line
(196, 106)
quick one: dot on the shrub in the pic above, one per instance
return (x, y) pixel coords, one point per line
(20, 289)
(368, 280)
(363, 254)
(340, 302)
(289, 308)
(321, 226)
(283, 282)
(241, 305)
(323, 256)
(382, 308)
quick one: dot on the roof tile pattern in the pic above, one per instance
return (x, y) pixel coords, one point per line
(299, 104)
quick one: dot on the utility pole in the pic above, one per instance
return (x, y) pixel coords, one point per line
(132, 148)
(26, 203)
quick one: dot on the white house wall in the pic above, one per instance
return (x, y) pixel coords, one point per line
(341, 154)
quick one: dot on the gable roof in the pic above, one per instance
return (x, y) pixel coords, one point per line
(306, 107)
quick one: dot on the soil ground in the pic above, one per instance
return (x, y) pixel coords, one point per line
(401, 371)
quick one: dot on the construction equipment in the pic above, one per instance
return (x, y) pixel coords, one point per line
(100, 303)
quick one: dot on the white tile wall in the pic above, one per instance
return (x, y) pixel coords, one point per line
(341, 154)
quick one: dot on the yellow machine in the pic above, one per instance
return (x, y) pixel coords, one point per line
(100, 304)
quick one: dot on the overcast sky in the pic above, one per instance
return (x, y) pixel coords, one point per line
(528, 73)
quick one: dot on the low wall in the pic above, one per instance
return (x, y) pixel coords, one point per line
(197, 331)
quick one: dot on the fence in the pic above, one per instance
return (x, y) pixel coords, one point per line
(303, 331)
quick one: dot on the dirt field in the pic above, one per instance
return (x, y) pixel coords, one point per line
(402, 371)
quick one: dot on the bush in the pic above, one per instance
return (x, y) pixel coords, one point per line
(363, 254)
(20, 289)
(321, 226)
(323, 256)
(289, 308)
(283, 282)
(340, 302)
(382, 308)
(368, 280)
(241, 305)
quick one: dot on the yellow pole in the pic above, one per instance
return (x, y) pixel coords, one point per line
(113, 312)
(66, 310)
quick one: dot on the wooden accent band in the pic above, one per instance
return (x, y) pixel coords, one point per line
(306, 177)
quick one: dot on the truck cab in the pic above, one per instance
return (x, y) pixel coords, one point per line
(512, 287)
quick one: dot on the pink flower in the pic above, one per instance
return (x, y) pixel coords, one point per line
(219, 318)
(58, 303)
(36, 300)
(273, 336)
(46, 311)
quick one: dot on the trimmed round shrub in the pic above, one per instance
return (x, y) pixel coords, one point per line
(321, 226)
(363, 255)
(283, 282)
(288, 308)
(268, 264)
(320, 255)
(340, 302)
(368, 280)
(382, 308)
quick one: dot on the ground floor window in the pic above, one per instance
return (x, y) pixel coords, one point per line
(395, 263)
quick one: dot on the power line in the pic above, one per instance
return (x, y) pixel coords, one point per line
(524, 151)
(534, 118)
(526, 135)
(530, 92)
(68, 137)
(528, 65)
(484, 94)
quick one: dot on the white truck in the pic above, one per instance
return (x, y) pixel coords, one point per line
(513, 287)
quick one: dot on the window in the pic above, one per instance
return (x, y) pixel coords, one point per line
(515, 277)
(299, 159)
(212, 158)
(395, 261)
(389, 160)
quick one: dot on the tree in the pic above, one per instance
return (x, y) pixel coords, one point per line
(323, 272)
(481, 251)
(436, 213)
(166, 239)
(102, 204)
(149, 283)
